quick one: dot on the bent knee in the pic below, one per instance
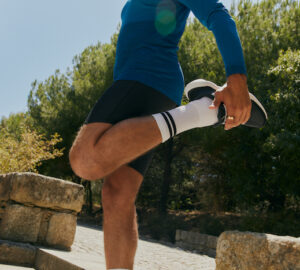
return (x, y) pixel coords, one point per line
(76, 156)
(84, 165)
(85, 161)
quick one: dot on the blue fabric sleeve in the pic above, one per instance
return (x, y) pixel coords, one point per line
(215, 17)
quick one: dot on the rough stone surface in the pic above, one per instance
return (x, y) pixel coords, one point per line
(202, 243)
(20, 223)
(17, 253)
(61, 230)
(47, 261)
(257, 251)
(36, 225)
(2, 209)
(47, 214)
(39, 209)
(13, 267)
(4, 187)
(42, 191)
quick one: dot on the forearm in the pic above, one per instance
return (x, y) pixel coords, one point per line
(213, 15)
(225, 32)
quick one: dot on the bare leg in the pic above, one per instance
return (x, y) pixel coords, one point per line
(119, 223)
(100, 148)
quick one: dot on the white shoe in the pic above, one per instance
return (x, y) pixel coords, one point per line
(201, 88)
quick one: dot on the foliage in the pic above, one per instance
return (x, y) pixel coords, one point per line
(283, 143)
(242, 169)
(243, 174)
(22, 149)
(61, 103)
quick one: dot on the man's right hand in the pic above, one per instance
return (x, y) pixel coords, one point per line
(235, 96)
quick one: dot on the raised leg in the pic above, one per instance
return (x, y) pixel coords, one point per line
(101, 148)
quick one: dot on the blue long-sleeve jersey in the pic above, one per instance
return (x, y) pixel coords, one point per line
(149, 36)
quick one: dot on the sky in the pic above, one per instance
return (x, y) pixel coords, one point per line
(37, 37)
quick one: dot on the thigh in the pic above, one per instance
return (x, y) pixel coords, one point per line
(88, 136)
(108, 110)
(124, 100)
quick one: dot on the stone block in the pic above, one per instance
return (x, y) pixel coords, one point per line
(194, 238)
(4, 186)
(195, 241)
(203, 239)
(20, 223)
(212, 242)
(61, 230)
(46, 216)
(47, 261)
(46, 192)
(2, 209)
(178, 235)
(184, 235)
(190, 237)
(257, 251)
(17, 253)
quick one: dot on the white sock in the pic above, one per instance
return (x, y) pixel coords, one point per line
(194, 114)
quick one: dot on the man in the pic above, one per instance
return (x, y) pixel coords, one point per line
(140, 110)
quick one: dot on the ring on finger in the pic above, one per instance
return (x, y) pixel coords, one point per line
(230, 117)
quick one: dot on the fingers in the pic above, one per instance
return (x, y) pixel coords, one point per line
(230, 123)
(244, 118)
(217, 101)
(246, 115)
(236, 99)
(236, 117)
(232, 120)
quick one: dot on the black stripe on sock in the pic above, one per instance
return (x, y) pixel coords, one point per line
(168, 123)
(172, 122)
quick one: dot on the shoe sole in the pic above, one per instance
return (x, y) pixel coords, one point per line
(203, 83)
(199, 83)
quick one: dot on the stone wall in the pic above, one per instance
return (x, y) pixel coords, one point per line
(257, 251)
(39, 210)
(198, 242)
(17, 253)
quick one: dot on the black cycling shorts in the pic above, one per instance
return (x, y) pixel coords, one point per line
(127, 99)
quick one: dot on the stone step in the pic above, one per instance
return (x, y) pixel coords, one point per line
(60, 260)
(12, 267)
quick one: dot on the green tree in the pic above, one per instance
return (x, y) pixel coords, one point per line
(235, 170)
(61, 103)
(238, 161)
(22, 149)
(283, 143)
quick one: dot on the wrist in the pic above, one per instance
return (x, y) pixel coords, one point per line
(237, 77)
